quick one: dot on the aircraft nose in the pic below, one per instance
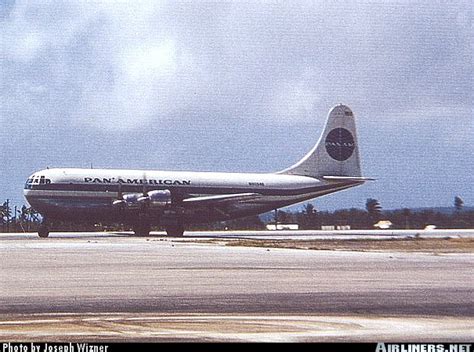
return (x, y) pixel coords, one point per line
(28, 183)
(38, 178)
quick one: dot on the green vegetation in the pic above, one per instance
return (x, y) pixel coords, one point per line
(400, 218)
(18, 220)
(25, 219)
(458, 203)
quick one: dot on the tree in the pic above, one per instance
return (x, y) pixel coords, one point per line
(309, 209)
(5, 213)
(308, 219)
(252, 222)
(284, 217)
(406, 214)
(458, 203)
(27, 216)
(374, 209)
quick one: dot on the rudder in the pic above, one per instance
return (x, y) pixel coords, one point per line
(337, 151)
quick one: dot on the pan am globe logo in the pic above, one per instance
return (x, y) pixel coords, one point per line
(340, 144)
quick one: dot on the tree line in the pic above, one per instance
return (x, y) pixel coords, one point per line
(14, 219)
(25, 219)
(310, 218)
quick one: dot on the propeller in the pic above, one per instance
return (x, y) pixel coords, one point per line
(145, 198)
(119, 201)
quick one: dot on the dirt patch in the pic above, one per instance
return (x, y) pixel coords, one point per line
(435, 245)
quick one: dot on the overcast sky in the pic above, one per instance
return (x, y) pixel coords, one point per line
(241, 86)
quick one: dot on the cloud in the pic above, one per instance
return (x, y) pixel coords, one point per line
(135, 63)
(165, 75)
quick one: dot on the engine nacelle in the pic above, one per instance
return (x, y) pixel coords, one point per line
(131, 199)
(159, 198)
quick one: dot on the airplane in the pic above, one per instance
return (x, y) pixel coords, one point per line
(175, 199)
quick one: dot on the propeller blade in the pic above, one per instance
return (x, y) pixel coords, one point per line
(143, 199)
(120, 195)
(118, 202)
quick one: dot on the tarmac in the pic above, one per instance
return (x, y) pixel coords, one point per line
(116, 287)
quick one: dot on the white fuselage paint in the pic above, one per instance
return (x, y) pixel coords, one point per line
(65, 192)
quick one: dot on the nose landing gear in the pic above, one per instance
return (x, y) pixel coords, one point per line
(43, 230)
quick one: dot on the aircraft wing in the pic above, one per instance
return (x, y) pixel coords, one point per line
(221, 199)
(223, 204)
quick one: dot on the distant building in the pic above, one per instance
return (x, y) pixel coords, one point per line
(335, 227)
(383, 224)
(272, 227)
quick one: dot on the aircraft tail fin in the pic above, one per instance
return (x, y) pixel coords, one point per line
(337, 151)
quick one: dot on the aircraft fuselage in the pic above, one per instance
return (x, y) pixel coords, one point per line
(88, 194)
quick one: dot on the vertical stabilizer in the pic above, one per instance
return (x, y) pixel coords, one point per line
(337, 151)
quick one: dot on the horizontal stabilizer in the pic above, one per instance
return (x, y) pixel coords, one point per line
(348, 178)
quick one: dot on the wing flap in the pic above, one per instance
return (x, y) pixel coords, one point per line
(220, 199)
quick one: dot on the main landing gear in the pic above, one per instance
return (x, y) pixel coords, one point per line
(175, 230)
(142, 229)
(142, 226)
(172, 231)
(171, 218)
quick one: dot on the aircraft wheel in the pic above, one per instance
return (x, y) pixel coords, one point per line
(175, 231)
(43, 231)
(142, 230)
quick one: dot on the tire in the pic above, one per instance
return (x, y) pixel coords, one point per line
(43, 231)
(175, 231)
(142, 230)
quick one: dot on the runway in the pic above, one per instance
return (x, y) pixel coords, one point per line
(280, 234)
(134, 282)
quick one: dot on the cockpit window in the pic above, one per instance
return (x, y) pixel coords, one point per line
(36, 180)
